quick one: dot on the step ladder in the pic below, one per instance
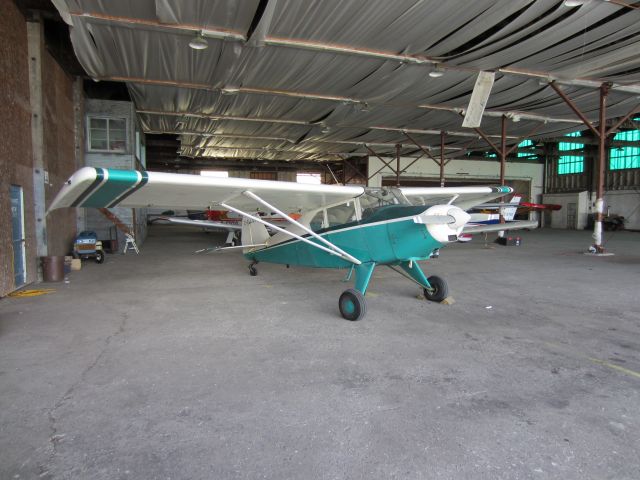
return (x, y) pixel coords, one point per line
(130, 243)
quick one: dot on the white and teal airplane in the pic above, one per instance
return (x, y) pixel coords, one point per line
(349, 227)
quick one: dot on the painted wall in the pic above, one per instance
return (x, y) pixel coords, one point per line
(15, 151)
(134, 218)
(620, 202)
(625, 203)
(574, 218)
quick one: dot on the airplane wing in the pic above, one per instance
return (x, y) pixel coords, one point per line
(203, 223)
(497, 227)
(463, 197)
(101, 187)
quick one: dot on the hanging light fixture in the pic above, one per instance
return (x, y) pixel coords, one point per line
(437, 72)
(198, 42)
(575, 3)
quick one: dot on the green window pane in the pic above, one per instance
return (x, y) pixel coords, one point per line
(625, 157)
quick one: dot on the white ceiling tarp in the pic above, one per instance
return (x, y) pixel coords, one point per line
(327, 76)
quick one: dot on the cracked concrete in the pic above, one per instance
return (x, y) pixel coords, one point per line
(55, 438)
(173, 365)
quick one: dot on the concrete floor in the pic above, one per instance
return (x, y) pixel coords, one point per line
(169, 365)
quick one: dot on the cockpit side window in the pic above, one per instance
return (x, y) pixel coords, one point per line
(317, 222)
(341, 214)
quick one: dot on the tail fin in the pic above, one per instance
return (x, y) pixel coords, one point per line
(509, 213)
(253, 233)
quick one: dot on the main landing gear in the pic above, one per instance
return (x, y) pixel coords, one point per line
(434, 288)
(438, 291)
(253, 271)
(352, 304)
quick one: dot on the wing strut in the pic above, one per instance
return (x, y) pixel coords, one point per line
(344, 256)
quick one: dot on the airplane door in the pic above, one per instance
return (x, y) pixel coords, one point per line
(18, 240)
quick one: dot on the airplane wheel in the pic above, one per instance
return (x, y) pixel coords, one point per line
(253, 271)
(352, 305)
(439, 291)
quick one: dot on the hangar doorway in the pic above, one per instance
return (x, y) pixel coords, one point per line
(17, 235)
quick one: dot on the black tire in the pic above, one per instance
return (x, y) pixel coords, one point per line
(352, 305)
(99, 257)
(439, 290)
(253, 271)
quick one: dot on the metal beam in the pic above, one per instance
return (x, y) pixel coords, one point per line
(574, 107)
(615, 127)
(524, 137)
(181, 28)
(398, 165)
(432, 62)
(429, 62)
(503, 152)
(424, 151)
(442, 164)
(602, 153)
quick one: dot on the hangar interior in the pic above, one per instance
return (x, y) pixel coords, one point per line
(539, 95)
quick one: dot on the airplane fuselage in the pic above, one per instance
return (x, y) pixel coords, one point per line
(388, 236)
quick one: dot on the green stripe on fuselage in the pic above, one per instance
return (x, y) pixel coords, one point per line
(118, 182)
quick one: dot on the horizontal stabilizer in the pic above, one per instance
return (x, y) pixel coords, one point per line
(202, 223)
(497, 227)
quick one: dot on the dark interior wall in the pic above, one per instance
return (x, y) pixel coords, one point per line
(15, 148)
(59, 150)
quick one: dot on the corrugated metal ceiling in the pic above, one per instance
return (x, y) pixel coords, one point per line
(316, 80)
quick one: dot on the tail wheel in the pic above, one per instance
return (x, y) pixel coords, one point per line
(438, 291)
(352, 305)
(99, 257)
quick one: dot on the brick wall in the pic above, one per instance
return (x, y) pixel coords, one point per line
(15, 147)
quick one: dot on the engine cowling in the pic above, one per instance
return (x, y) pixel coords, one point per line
(448, 229)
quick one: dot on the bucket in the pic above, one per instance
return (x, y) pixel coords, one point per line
(53, 268)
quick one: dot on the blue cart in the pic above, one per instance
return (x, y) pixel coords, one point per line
(87, 245)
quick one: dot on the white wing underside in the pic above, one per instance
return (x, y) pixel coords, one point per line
(463, 197)
(172, 190)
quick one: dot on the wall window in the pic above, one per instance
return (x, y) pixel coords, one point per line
(625, 157)
(309, 178)
(107, 134)
(214, 173)
(571, 156)
(526, 150)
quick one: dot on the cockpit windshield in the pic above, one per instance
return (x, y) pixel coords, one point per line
(374, 198)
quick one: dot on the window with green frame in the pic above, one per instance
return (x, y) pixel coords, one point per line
(625, 157)
(573, 160)
(526, 149)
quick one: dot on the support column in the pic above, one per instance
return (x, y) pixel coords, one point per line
(397, 165)
(442, 135)
(602, 153)
(35, 39)
(503, 148)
